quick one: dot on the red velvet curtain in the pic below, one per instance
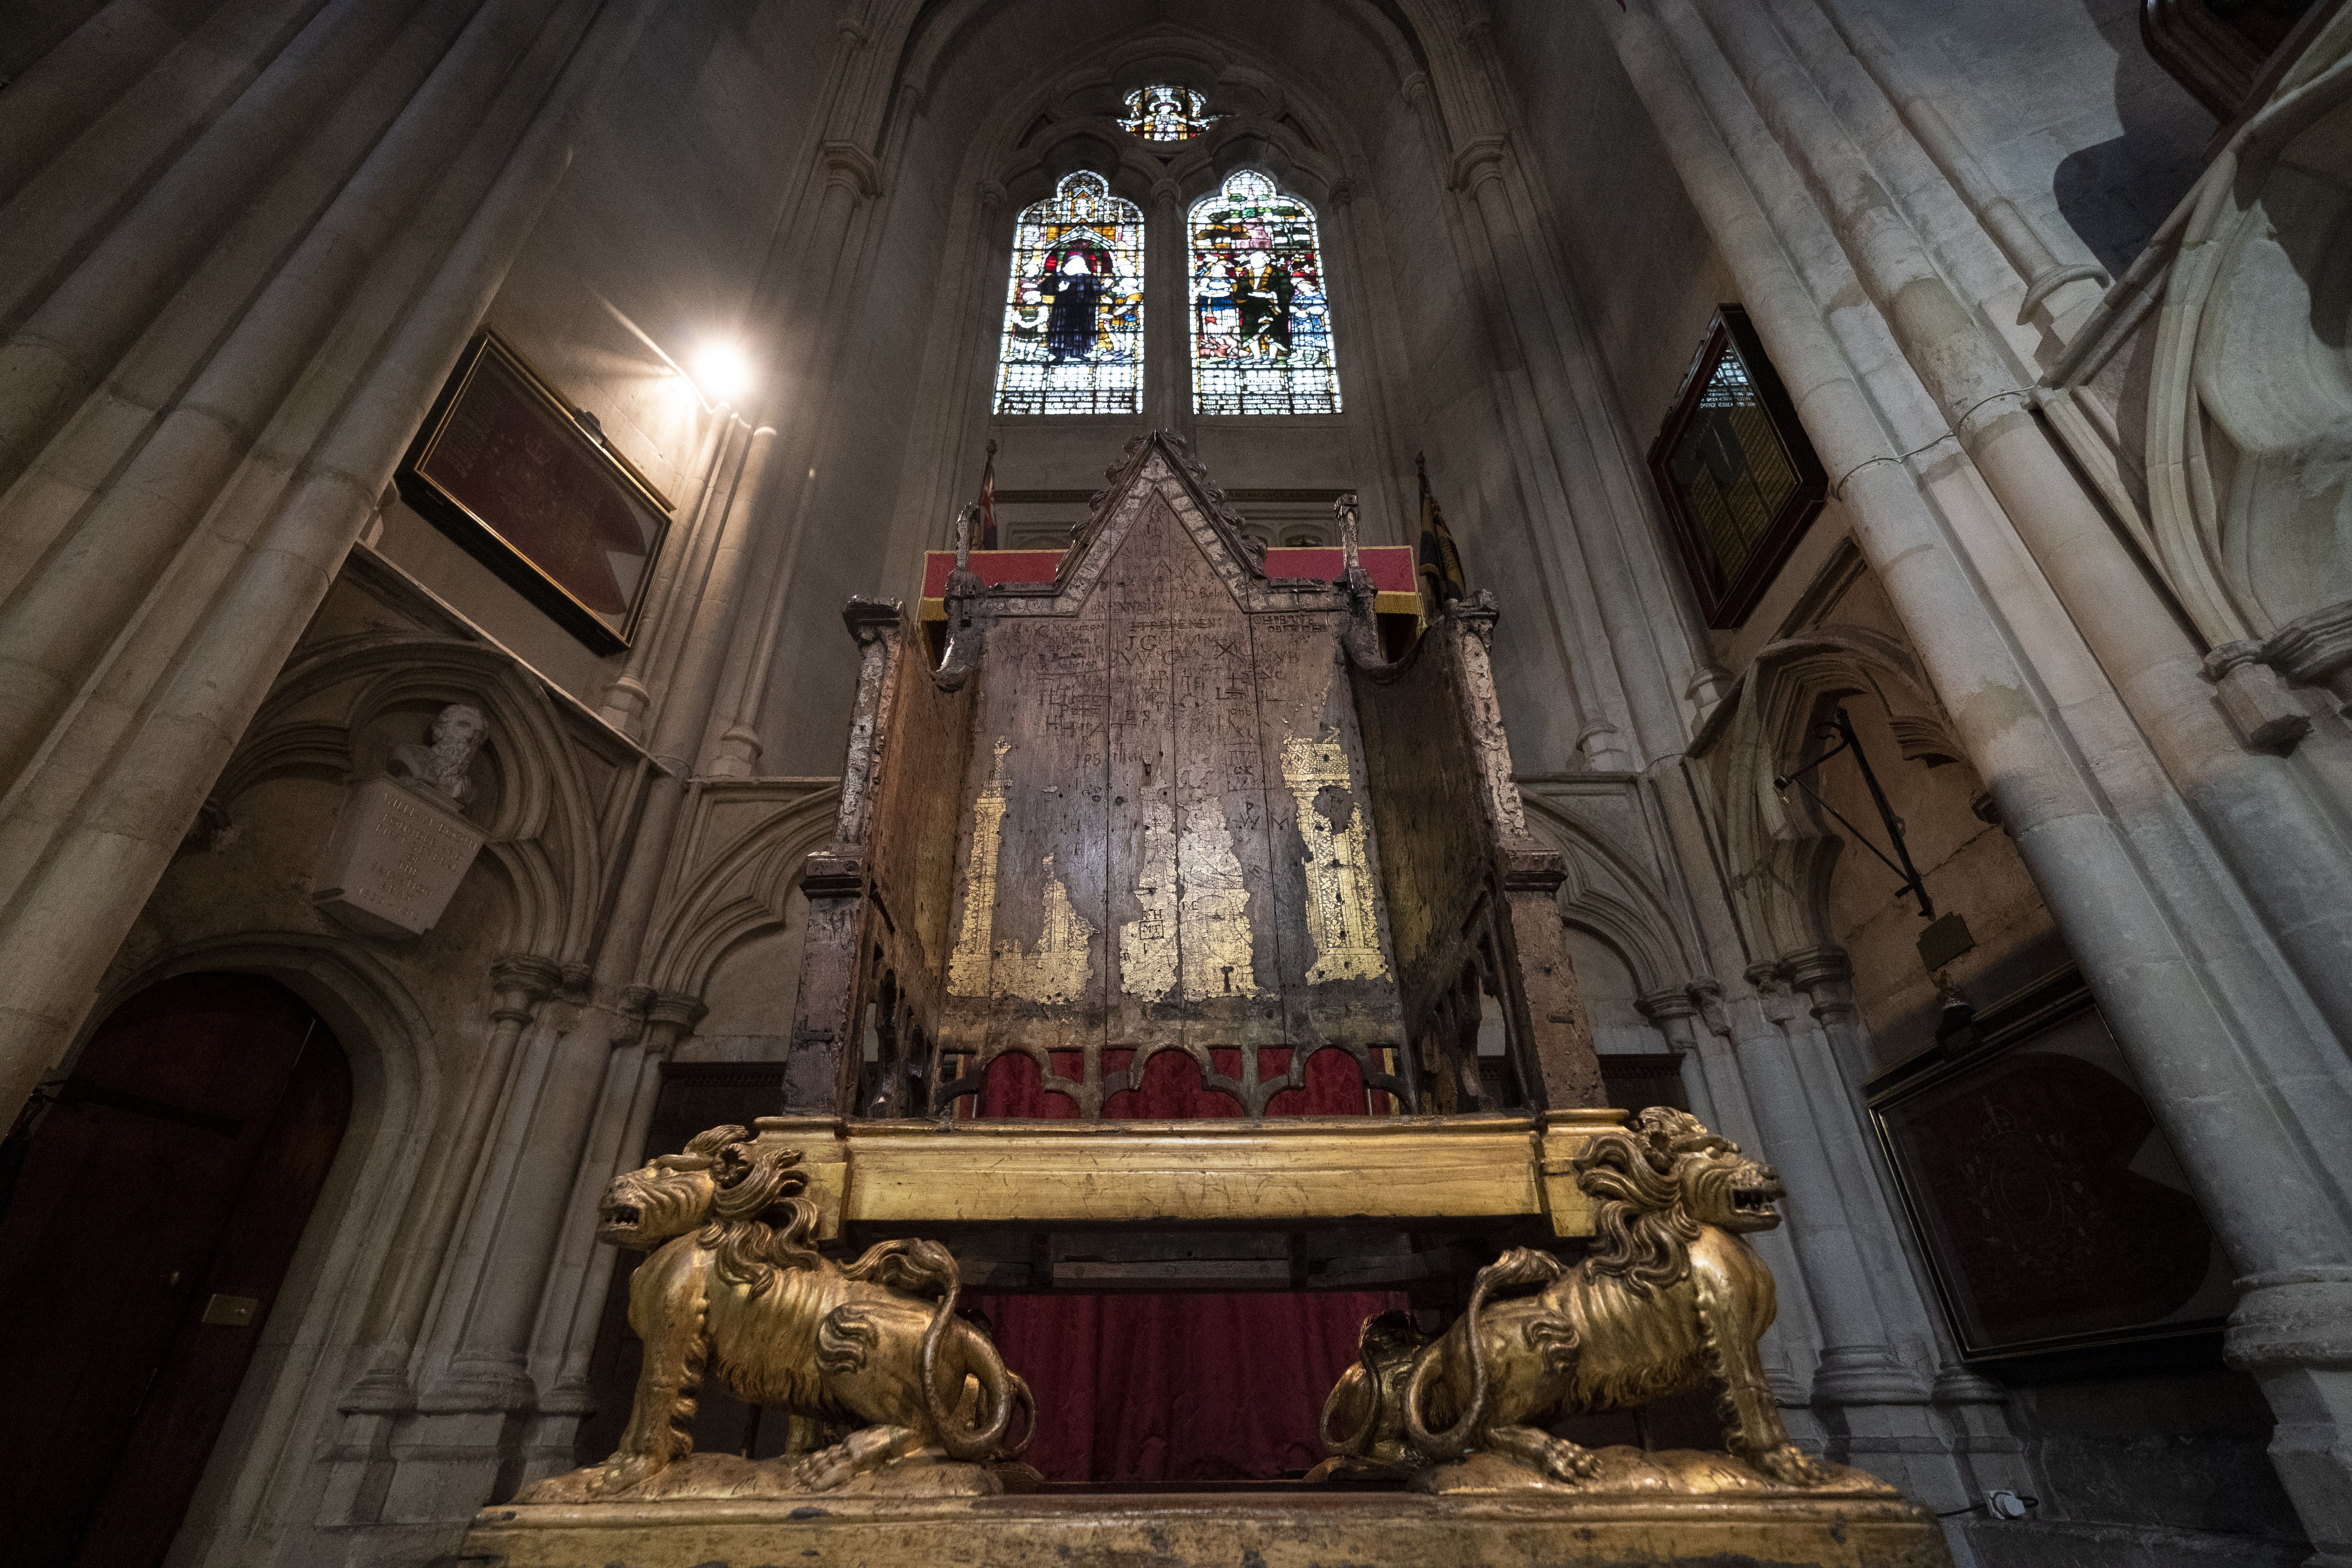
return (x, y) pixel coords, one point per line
(1178, 1387)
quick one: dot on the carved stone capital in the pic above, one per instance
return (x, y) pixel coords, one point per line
(1478, 162)
(523, 981)
(2314, 650)
(2223, 657)
(670, 1017)
(678, 1007)
(2252, 695)
(629, 1020)
(1662, 1006)
(853, 169)
(1770, 979)
(1825, 975)
(1707, 995)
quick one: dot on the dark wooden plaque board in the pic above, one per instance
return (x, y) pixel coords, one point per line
(504, 466)
(2054, 1213)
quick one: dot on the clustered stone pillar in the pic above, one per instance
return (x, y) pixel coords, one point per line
(163, 609)
(1524, 343)
(572, 1300)
(2268, 1168)
(454, 1172)
(1678, 1015)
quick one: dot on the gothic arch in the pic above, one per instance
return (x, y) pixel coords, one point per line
(397, 1089)
(742, 874)
(1781, 859)
(1611, 898)
(547, 823)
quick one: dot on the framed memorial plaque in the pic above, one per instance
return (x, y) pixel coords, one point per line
(505, 466)
(2053, 1211)
(1739, 478)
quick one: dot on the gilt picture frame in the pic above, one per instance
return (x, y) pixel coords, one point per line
(524, 481)
(2053, 1211)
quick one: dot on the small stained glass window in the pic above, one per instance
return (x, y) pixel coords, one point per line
(1074, 307)
(1738, 477)
(1166, 114)
(1261, 318)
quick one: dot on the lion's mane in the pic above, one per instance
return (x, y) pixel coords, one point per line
(1643, 1232)
(762, 1219)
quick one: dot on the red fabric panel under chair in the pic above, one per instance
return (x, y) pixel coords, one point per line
(1178, 1387)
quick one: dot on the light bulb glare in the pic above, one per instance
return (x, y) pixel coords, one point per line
(722, 372)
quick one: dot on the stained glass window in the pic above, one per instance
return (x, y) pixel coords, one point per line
(1261, 320)
(1166, 114)
(1074, 309)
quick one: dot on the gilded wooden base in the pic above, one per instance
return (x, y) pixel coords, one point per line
(1221, 1530)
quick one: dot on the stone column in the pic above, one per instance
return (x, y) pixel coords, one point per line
(360, 1464)
(1167, 315)
(573, 1306)
(488, 1370)
(1876, 1400)
(1598, 582)
(2250, 805)
(94, 822)
(1824, 977)
(2264, 1168)
(1858, 1364)
(2265, 1188)
(72, 608)
(1677, 1015)
(628, 701)
(807, 346)
(95, 313)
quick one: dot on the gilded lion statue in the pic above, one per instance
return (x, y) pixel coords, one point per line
(734, 1293)
(1671, 1297)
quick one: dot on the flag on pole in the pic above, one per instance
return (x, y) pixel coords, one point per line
(1441, 563)
(988, 501)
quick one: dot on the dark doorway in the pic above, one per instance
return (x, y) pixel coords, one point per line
(150, 1204)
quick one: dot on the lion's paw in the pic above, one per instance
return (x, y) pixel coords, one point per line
(1571, 1463)
(1789, 1465)
(623, 1472)
(614, 1476)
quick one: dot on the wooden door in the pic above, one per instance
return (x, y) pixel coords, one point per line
(156, 1206)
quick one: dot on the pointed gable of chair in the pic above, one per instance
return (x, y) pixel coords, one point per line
(1157, 483)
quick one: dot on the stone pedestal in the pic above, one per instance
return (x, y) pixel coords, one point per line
(1864, 1526)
